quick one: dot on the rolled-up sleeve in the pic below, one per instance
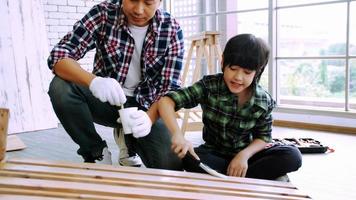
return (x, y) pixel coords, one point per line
(80, 40)
(263, 128)
(188, 97)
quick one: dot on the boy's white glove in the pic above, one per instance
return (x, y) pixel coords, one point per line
(107, 90)
(140, 124)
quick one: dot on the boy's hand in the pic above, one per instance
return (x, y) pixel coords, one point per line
(107, 90)
(141, 124)
(180, 146)
(238, 166)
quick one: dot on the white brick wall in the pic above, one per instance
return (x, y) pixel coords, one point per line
(60, 15)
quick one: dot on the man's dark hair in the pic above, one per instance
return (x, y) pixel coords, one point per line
(246, 51)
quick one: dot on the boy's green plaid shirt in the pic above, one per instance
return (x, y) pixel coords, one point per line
(227, 128)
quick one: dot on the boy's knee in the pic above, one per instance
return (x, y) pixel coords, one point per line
(295, 157)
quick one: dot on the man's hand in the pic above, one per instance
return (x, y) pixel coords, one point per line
(107, 90)
(140, 124)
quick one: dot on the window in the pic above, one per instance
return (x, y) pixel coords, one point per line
(313, 66)
(352, 52)
(319, 81)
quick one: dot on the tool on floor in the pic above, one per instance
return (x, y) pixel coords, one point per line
(192, 160)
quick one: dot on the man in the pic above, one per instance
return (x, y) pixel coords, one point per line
(139, 51)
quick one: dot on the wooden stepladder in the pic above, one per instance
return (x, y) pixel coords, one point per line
(207, 47)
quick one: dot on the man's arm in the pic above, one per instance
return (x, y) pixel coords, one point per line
(70, 70)
(73, 46)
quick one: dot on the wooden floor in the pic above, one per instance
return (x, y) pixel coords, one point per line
(322, 176)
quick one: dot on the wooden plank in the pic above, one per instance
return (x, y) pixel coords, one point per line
(17, 196)
(148, 171)
(93, 186)
(106, 191)
(148, 181)
(14, 143)
(70, 180)
(36, 194)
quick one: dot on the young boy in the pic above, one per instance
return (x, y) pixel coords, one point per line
(236, 116)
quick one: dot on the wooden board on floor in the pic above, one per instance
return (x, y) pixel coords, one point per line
(51, 179)
(14, 143)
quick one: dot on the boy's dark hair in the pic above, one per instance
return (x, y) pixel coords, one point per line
(246, 51)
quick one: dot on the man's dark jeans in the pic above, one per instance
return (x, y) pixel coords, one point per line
(77, 109)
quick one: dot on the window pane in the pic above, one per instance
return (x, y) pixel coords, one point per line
(311, 34)
(317, 83)
(250, 22)
(353, 28)
(233, 5)
(192, 7)
(264, 78)
(298, 2)
(194, 25)
(353, 84)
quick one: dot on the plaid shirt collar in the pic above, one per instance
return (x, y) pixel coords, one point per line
(256, 98)
(157, 19)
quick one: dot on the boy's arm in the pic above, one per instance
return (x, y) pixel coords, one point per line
(152, 112)
(239, 164)
(255, 146)
(166, 111)
(180, 145)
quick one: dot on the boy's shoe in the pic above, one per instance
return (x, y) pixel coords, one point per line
(125, 157)
(283, 178)
(106, 157)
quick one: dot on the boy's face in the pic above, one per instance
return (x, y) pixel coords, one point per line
(238, 79)
(140, 12)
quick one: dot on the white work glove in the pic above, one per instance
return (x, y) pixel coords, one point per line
(107, 90)
(140, 124)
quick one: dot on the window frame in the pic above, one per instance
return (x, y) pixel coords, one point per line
(347, 116)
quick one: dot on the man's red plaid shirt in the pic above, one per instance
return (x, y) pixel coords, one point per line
(104, 28)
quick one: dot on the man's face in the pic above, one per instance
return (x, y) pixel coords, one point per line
(140, 12)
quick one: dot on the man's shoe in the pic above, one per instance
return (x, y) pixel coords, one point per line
(105, 158)
(126, 158)
(133, 161)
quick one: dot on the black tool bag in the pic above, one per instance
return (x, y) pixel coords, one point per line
(305, 145)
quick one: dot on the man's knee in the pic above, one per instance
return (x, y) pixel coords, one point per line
(60, 92)
(156, 149)
(57, 88)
